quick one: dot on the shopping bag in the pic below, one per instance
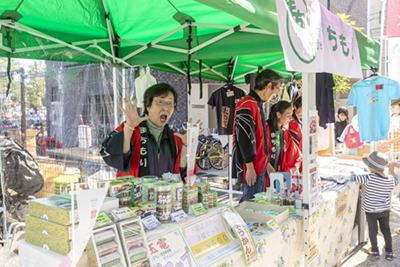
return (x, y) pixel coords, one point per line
(352, 139)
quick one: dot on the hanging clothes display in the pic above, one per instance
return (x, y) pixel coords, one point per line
(292, 91)
(372, 98)
(144, 81)
(224, 100)
(324, 98)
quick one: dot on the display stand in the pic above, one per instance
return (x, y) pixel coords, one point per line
(123, 239)
(93, 253)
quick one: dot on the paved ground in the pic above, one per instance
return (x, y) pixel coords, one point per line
(361, 257)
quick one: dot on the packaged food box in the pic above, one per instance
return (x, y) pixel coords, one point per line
(137, 254)
(203, 199)
(120, 189)
(104, 236)
(147, 208)
(190, 196)
(102, 220)
(203, 187)
(215, 198)
(210, 200)
(134, 242)
(48, 242)
(110, 260)
(107, 248)
(136, 192)
(40, 225)
(54, 208)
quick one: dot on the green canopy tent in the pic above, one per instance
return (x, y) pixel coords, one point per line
(229, 39)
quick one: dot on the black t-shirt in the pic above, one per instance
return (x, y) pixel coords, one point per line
(225, 99)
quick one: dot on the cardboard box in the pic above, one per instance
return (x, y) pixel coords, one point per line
(54, 208)
(48, 242)
(63, 232)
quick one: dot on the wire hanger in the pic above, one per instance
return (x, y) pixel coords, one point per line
(374, 73)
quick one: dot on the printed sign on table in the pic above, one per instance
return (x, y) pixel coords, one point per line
(243, 234)
(122, 214)
(197, 210)
(208, 239)
(170, 250)
(313, 238)
(179, 217)
(150, 222)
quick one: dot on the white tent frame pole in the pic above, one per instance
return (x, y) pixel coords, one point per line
(263, 67)
(219, 37)
(94, 45)
(21, 27)
(216, 72)
(116, 123)
(234, 68)
(110, 34)
(151, 44)
(175, 68)
(28, 49)
(247, 65)
(209, 68)
(169, 48)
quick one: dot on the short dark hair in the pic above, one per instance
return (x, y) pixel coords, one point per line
(297, 102)
(265, 77)
(280, 107)
(161, 89)
(343, 110)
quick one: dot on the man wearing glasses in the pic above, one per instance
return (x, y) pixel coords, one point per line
(145, 145)
(251, 161)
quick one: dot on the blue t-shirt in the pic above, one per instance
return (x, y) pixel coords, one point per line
(372, 98)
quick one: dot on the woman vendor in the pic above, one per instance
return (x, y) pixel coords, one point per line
(145, 145)
(283, 151)
(295, 123)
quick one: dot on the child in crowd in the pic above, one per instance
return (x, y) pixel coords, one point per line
(376, 203)
(343, 116)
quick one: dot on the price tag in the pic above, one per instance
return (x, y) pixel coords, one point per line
(179, 217)
(272, 225)
(122, 214)
(197, 210)
(150, 222)
(230, 93)
(210, 244)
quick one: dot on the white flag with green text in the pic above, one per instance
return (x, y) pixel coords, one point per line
(315, 40)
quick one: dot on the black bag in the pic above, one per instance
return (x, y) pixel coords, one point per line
(21, 172)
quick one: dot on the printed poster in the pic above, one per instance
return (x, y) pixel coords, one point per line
(170, 250)
(313, 188)
(312, 238)
(312, 126)
(243, 234)
(208, 239)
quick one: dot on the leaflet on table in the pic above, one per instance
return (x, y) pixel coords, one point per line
(243, 234)
(208, 239)
(89, 204)
(197, 210)
(170, 250)
(313, 188)
(272, 224)
(179, 217)
(150, 222)
(312, 238)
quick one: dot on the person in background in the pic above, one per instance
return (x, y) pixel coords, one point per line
(295, 123)
(145, 145)
(376, 203)
(343, 116)
(250, 152)
(284, 153)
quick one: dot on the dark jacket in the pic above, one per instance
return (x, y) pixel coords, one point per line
(339, 128)
(112, 153)
(248, 136)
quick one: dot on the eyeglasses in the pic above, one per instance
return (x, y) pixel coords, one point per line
(163, 103)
